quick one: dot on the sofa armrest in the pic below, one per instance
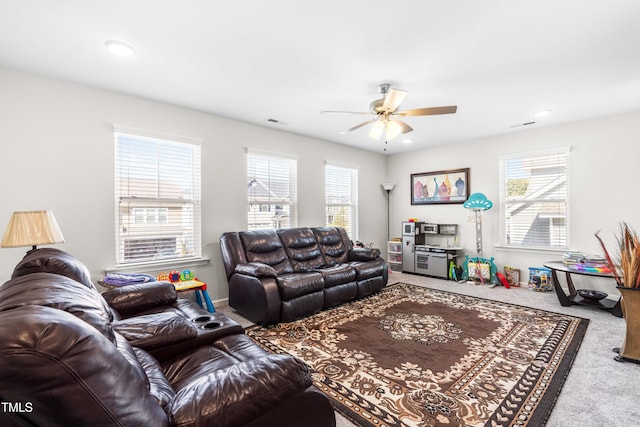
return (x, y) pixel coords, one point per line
(132, 299)
(241, 393)
(256, 269)
(363, 254)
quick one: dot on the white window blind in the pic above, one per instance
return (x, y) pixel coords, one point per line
(534, 199)
(341, 190)
(272, 191)
(157, 199)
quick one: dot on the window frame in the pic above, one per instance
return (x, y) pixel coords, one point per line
(187, 221)
(272, 204)
(563, 162)
(353, 226)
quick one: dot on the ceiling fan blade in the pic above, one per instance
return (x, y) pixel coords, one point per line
(358, 126)
(393, 99)
(345, 112)
(430, 111)
(405, 127)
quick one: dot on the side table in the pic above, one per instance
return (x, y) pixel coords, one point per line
(199, 288)
(574, 298)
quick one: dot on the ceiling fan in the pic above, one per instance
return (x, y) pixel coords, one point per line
(386, 111)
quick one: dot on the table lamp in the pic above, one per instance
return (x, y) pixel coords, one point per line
(31, 228)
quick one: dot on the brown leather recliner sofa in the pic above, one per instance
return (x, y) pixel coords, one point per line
(282, 275)
(135, 356)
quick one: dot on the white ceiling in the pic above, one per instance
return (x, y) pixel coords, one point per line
(498, 60)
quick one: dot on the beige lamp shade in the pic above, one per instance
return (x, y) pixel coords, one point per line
(31, 228)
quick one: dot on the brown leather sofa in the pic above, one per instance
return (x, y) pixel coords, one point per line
(135, 356)
(282, 275)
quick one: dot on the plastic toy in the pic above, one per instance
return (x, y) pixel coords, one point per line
(503, 280)
(480, 269)
(186, 275)
(174, 276)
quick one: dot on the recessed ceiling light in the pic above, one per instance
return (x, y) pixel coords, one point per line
(542, 113)
(119, 48)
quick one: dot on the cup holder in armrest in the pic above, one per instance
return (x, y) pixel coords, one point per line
(212, 325)
(201, 319)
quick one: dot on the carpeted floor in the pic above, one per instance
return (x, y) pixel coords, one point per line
(598, 391)
(413, 356)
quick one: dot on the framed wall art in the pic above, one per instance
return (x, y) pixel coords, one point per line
(440, 187)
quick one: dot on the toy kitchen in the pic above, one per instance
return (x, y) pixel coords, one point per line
(428, 248)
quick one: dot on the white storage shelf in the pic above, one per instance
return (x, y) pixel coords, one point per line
(394, 255)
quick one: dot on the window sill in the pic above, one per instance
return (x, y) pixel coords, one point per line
(531, 249)
(158, 265)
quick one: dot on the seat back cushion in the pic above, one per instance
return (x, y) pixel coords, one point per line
(62, 293)
(71, 374)
(334, 244)
(264, 246)
(56, 261)
(302, 248)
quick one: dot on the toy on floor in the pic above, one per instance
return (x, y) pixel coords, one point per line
(480, 270)
(503, 280)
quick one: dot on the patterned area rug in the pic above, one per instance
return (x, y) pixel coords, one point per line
(413, 356)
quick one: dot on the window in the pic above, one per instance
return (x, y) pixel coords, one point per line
(534, 199)
(341, 190)
(272, 191)
(157, 198)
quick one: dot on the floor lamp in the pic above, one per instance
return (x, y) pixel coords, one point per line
(388, 187)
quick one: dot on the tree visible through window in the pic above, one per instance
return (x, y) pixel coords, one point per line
(534, 199)
(272, 191)
(157, 199)
(341, 191)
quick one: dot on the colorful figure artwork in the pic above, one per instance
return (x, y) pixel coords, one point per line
(437, 187)
(460, 187)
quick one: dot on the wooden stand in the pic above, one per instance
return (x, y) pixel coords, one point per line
(630, 350)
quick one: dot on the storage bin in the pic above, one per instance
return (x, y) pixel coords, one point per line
(540, 279)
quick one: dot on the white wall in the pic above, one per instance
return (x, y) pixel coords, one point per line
(603, 180)
(57, 148)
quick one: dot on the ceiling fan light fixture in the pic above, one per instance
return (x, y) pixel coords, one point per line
(392, 130)
(377, 129)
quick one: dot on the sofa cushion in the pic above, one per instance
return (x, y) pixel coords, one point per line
(302, 248)
(151, 331)
(298, 284)
(332, 244)
(337, 275)
(240, 393)
(369, 269)
(55, 261)
(264, 246)
(159, 387)
(62, 293)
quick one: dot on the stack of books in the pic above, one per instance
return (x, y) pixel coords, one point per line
(579, 262)
(571, 258)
